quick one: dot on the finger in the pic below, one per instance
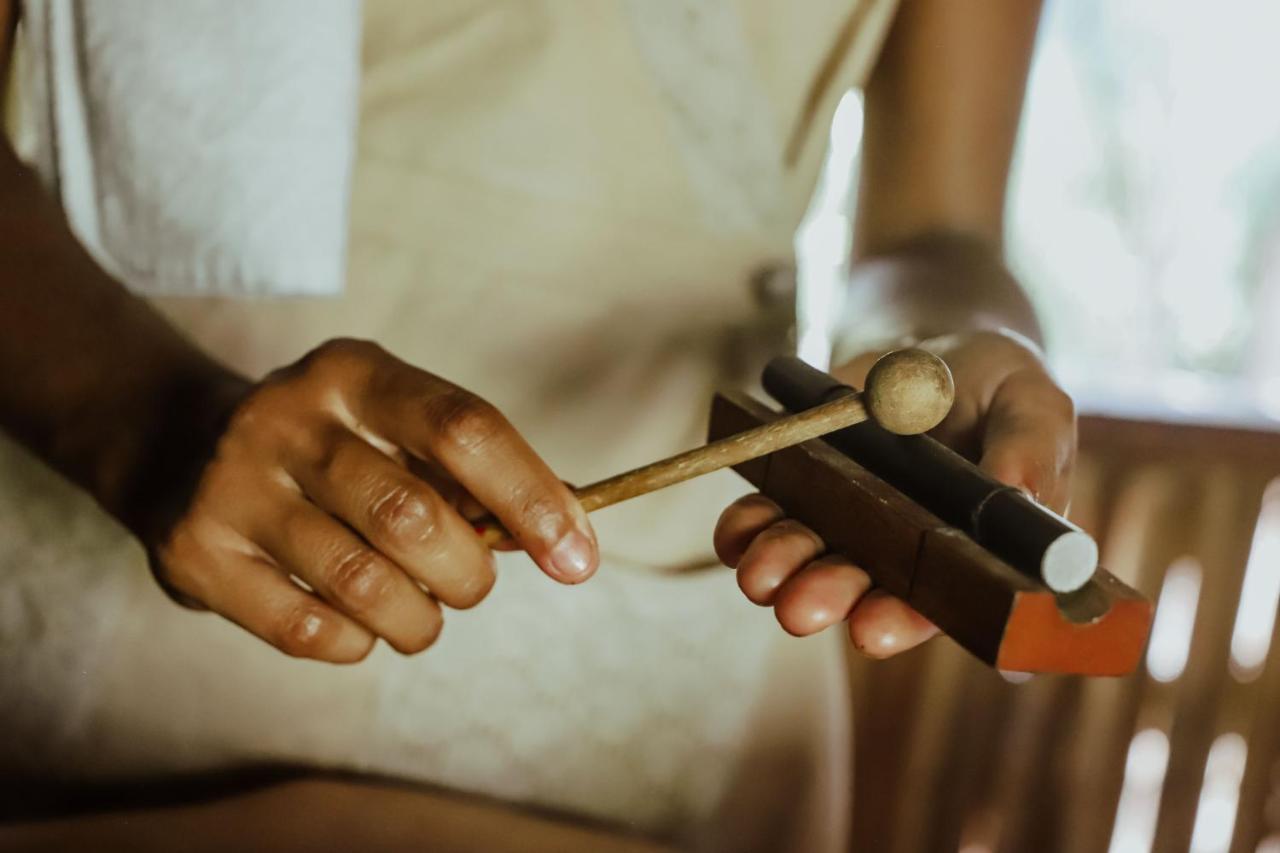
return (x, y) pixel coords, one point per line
(820, 595)
(778, 552)
(430, 472)
(740, 523)
(1030, 437)
(350, 575)
(431, 418)
(958, 429)
(259, 598)
(402, 517)
(882, 625)
(459, 498)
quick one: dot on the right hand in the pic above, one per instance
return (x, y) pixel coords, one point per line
(350, 471)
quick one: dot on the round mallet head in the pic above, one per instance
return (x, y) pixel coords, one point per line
(909, 391)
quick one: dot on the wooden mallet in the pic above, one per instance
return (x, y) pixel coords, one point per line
(908, 392)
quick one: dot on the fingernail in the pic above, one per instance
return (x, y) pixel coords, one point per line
(572, 556)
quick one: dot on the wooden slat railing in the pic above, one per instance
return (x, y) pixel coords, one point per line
(954, 756)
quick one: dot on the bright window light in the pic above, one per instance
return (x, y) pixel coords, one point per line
(1175, 621)
(1219, 796)
(1260, 593)
(1144, 769)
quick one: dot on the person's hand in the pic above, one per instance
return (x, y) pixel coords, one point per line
(1009, 415)
(331, 508)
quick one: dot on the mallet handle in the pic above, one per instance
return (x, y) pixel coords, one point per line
(724, 453)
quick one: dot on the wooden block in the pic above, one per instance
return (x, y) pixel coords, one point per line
(999, 614)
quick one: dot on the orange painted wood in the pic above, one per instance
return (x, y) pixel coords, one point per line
(1038, 639)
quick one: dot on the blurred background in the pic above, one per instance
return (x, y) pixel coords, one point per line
(1145, 221)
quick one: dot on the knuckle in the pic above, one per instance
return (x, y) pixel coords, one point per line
(539, 510)
(303, 632)
(265, 418)
(463, 420)
(341, 357)
(341, 350)
(359, 579)
(245, 419)
(402, 517)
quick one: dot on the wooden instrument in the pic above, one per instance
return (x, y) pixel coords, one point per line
(1009, 580)
(1028, 536)
(915, 526)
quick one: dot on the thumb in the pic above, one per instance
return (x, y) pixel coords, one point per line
(1029, 438)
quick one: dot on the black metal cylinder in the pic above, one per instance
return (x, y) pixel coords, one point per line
(1031, 538)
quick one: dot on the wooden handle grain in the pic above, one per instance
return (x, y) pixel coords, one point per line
(726, 452)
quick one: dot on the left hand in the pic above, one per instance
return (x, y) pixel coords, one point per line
(1009, 415)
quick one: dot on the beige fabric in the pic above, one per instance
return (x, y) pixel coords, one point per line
(530, 220)
(199, 147)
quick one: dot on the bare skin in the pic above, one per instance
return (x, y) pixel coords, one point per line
(942, 111)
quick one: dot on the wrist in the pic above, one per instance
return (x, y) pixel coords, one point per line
(166, 431)
(933, 284)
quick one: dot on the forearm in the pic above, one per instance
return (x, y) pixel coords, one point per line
(942, 112)
(91, 377)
